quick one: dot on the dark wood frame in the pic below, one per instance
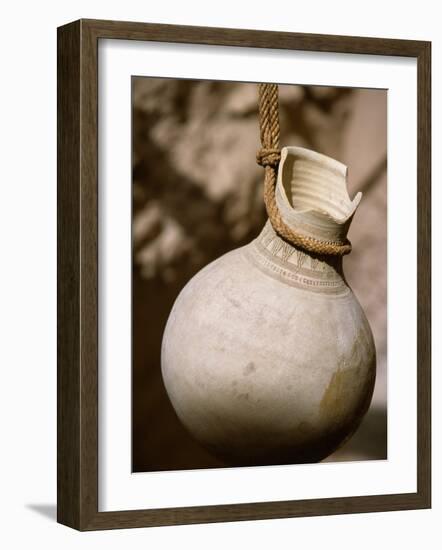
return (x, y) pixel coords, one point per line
(77, 459)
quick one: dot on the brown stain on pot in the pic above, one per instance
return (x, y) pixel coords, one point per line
(350, 377)
(249, 368)
(333, 402)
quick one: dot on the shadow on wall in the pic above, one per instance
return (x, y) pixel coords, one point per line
(197, 193)
(48, 511)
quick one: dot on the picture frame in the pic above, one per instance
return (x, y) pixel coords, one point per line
(78, 274)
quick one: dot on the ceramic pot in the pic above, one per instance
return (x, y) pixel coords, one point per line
(267, 355)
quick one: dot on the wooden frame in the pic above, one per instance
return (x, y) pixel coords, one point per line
(78, 268)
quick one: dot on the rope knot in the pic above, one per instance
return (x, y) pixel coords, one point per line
(268, 157)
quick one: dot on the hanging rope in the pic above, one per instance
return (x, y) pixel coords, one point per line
(269, 157)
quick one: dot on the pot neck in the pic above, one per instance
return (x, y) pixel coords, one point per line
(312, 198)
(284, 262)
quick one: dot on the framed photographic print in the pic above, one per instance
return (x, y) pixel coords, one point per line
(243, 274)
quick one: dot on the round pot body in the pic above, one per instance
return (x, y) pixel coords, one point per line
(267, 356)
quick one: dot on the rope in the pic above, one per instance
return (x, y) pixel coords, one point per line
(269, 156)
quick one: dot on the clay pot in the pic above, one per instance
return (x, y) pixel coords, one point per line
(267, 356)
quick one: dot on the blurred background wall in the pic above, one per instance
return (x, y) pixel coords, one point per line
(197, 193)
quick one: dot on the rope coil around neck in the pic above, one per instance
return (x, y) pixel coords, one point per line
(269, 156)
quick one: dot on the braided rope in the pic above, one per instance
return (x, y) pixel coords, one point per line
(269, 157)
